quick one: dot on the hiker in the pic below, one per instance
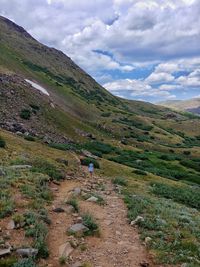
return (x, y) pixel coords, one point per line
(91, 168)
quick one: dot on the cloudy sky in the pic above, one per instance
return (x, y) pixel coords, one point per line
(138, 49)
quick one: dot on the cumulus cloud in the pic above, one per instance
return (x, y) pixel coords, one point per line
(104, 36)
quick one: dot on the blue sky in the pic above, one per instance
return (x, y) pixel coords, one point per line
(138, 49)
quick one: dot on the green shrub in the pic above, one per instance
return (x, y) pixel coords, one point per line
(29, 138)
(2, 142)
(8, 262)
(185, 195)
(25, 263)
(45, 167)
(99, 147)
(87, 161)
(186, 152)
(106, 114)
(120, 181)
(25, 114)
(74, 202)
(140, 172)
(62, 260)
(90, 223)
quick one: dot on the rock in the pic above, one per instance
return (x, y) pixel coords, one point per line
(79, 220)
(65, 250)
(27, 252)
(77, 264)
(138, 219)
(11, 225)
(2, 173)
(78, 228)
(77, 191)
(148, 239)
(92, 199)
(5, 251)
(88, 154)
(69, 209)
(58, 210)
(144, 264)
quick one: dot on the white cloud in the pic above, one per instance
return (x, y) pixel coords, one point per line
(159, 77)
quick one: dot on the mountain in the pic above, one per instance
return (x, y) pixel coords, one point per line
(54, 120)
(190, 105)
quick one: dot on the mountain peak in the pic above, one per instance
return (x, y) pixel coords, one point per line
(13, 26)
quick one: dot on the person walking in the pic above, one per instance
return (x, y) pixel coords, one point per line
(91, 168)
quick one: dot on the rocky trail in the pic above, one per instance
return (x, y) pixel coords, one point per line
(117, 243)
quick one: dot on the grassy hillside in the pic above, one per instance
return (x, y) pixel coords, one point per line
(154, 149)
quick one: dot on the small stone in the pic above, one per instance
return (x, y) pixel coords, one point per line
(27, 252)
(77, 191)
(144, 264)
(58, 210)
(11, 225)
(138, 219)
(148, 239)
(92, 199)
(77, 264)
(65, 250)
(79, 220)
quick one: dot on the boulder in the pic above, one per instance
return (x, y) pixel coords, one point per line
(78, 228)
(5, 251)
(27, 252)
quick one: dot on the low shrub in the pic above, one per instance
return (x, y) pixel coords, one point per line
(25, 263)
(2, 142)
(29, 138)
(25, 114)
(185, 195)
(45, 167)
(140, 172)
(90, 223)
(74, 203)
(120, 181)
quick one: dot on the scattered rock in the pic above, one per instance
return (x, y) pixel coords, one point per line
(2, 173)
(78, 228)
(138, 219)
(5, 251)
(69, 209)
(148, 239)
(77, 264)
(11, 225)
(92, 199)
(65, 250)
(58, 210)
(77, 191)
(27, 252)
(144, 264)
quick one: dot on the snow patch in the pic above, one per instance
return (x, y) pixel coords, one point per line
(38, 87)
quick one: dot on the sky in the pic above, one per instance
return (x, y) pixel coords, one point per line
(137, 49)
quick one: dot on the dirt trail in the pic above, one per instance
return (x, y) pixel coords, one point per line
(118, 244)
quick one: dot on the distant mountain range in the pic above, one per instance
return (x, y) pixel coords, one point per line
(191, 105)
